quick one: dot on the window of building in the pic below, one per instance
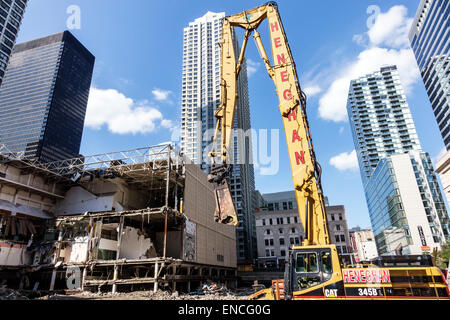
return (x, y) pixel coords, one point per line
(288, 220)
(266, 242)
(282, 253)
(332, 217)
(271, 242)
(270, 221)
(337, 238)
(342, 238)
(285, 205)
(268, 231)
(340, 216)
(267, 253)
(338, 227)
(263, 222)
(293, 230)
(276, 206)
(290, 204)
(280, 231)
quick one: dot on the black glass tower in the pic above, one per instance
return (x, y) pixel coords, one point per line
(44, 96)
(11, 14)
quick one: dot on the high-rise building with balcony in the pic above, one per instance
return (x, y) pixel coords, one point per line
(11, 14)
(44, 96)
(430, 41)
(381, 120)
(200, 99)
(405, 204)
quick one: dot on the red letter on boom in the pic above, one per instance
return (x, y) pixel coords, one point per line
(274, 26)
(281, 59)
(295, 136)
(291, 114)
(300, 157)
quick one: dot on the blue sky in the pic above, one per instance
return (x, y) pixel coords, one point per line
(138, 48)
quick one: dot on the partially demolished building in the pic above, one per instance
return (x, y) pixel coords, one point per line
(123, 220)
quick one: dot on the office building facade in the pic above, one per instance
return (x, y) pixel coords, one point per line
(11, 14)
(200, 99)
(405, 204)
(443, 169)
(430, 41)
(384, 135)
(363, 244)
(338, 232)
(44, 97)
(278, 228)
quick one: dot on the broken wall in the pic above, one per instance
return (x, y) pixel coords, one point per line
(101, 196)
(215, 243)
(27, 193)
(14, 254)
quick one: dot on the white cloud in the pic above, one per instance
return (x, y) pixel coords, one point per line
(121, 114)
(312, 90)
(345, 161)
(166, 123)
(162, 95)
(391, 28)
(439, 156)
(252, 67)
(388, 44)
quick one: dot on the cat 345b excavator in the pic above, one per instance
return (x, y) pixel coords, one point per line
(313, 270)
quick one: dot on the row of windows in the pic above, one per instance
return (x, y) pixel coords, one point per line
(282, 242)
(279, 220)
(275, 206)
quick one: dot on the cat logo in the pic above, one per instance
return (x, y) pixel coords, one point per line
(331, 293)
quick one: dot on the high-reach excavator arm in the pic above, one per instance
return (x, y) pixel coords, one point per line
(305, 168)
(313, 270)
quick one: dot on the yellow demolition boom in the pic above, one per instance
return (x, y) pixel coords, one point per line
(313, 270)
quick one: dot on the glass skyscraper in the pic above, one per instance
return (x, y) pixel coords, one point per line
(405, 204)
(430, 41)
(200, 99)
(11, 14)
(44, 97)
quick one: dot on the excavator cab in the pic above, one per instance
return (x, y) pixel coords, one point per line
(309, 270)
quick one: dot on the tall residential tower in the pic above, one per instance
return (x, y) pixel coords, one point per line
(200, 99)
(11, 14)
(430, 41)
(406, 208)
(44, 96)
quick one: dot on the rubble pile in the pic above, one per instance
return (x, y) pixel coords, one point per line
(210, 291)
(8, 294)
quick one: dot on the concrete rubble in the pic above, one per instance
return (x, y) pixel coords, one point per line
(149, 295)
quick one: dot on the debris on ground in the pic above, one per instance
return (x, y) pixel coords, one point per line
(9, 294)
(149, 295)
